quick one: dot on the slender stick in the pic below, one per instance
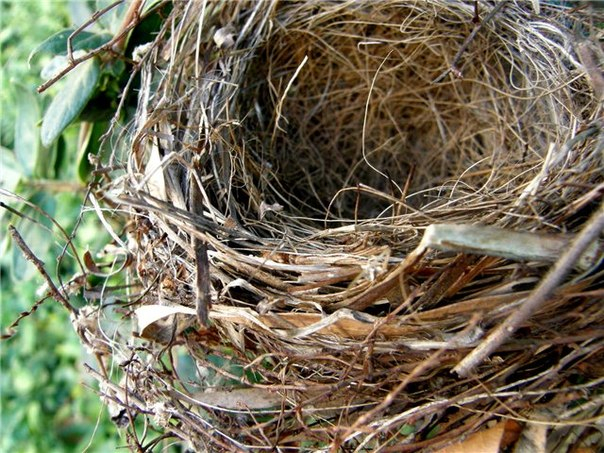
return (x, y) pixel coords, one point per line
(540, 295)
(203, 299)
(12, 329)
(107, 47)
(29, 256)
(82, 27)
(132, 17)
(453, 67)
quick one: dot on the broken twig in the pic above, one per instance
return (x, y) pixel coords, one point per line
(453, 67)
(549, 284)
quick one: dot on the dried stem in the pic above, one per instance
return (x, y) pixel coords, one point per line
(95, 16)
(73, 62)
(31, 257)
(546, 288)
(453, 67)
(11, 330)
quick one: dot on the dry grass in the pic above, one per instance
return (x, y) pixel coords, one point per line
(308, 154)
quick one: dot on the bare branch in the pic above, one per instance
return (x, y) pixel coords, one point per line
(107, 47)
(82, 27)
(10, 330)
(31, 257)
(453, 67)
(539, 296)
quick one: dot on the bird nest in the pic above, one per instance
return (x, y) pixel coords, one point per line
(359, 226)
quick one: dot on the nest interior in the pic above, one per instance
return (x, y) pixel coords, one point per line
(334, 104)
(306, 146)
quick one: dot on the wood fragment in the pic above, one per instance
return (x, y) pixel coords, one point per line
(202, 299)
(437, 291)
(552, 280)
(200, 246)
(515, 245)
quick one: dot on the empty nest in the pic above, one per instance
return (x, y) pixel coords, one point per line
(285, 162)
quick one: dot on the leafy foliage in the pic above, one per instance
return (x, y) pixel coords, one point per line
(17, 39)
(71, 100)
(45, 405)
(48, 402)
(57, 44)
(46, 145)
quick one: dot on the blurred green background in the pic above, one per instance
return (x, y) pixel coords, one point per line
(48, 403)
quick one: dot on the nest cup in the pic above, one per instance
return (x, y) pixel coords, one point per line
(308, 145)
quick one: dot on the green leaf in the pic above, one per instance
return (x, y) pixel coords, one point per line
(61, 157)
(407, 430)
(10, 173)
(57, 43)
(434, 431)
(85, 147)
(46, 163)
(91, 42)
(90, 144)
(150, 5)
(114, 68)
(80, 11)
(56, 64)
(71, 100)
(152, 21)
(27, 141)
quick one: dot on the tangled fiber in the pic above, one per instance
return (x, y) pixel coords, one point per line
(285, 162)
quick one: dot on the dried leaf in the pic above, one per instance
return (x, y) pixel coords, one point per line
(154, 175)
(265, 207)
(90, 264)
(486, 441)
(250, 398)
(225, 37)
(148, 315)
